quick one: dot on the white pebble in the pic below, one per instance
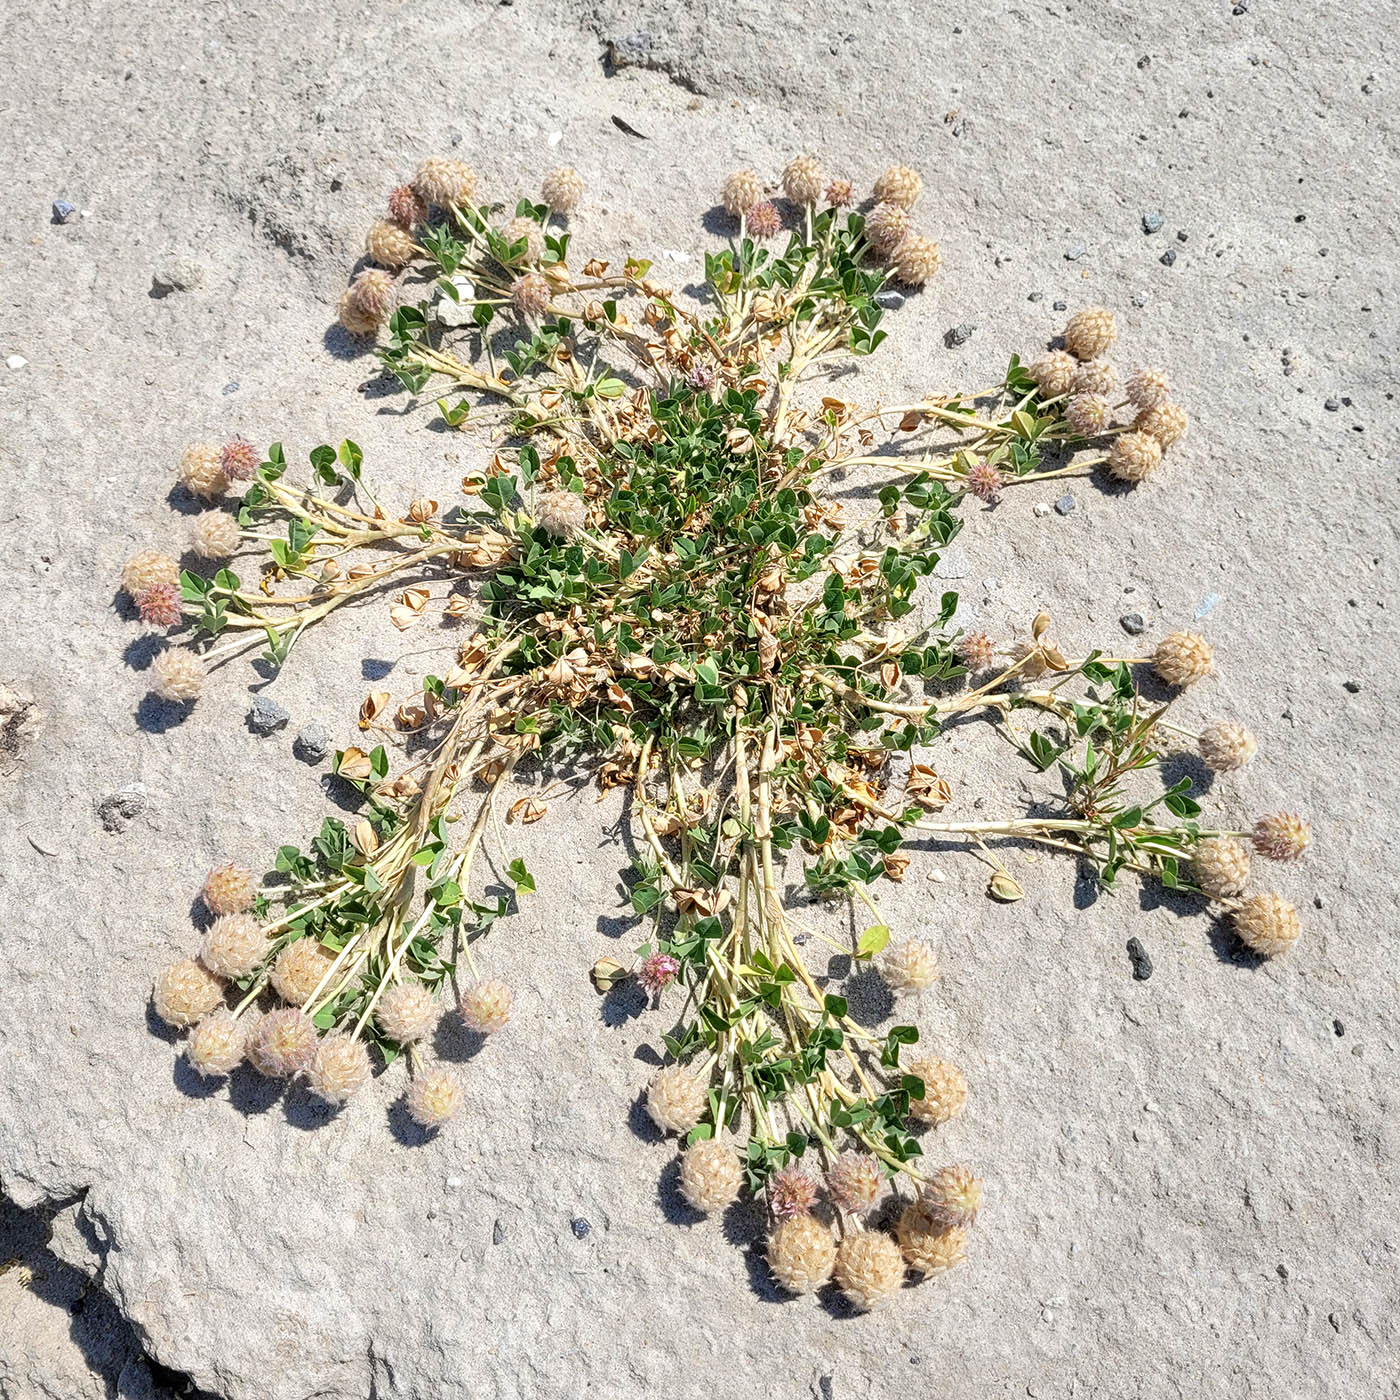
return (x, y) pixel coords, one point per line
(16, 361)
(1041, 508)
(453, 1183)
(555, 137)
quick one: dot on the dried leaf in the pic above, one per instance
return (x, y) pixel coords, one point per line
(354, 763)
(364, 838)
(526, 811)
(1001, 886)
(927, 789)
(607, 973)
(370, 711)
(402, 617)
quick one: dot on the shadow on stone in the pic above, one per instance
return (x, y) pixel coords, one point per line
(155, 715)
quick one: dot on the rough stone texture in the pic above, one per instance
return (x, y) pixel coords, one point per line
(1192, 1179)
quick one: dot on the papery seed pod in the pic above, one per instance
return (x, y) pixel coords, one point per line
(300, 969)
(528, 231)
(445, 182)
(234, 945)
(1087, 414)
(390, 245)
(711, 1175)
(433, 1096)
(886, 227)
(1183, 658)
(185, 992)
(485, 1006)
(407, 208)
(929, 1246)
(984, 481)
(899, 185)
(791, 1191)
(801, 1254)
(160, 605)
(1281, 836)
(1166, 423)
(561, 513)
(1090, 332)
(215, 1045)
(1053, 373)
(916, 260)
(1267, 924)
(339, 1067)
(803, 178)
(201, 470)
(1220, 866)
(1225, 747)
(976, 651)
(215, 535)
(562, 189)
(953, 1195)
(148, 568)
(1134, 457)
(228, 889)
(677, 1099)
(909, 965)
(869, 1268)
(855, 1183)
(740, 192)
(1147, 388)
(1095, 377)
(179, 675)
(406, 1012)
(763, 220)
(945, 1090)
(282, 1044)
(530, 294)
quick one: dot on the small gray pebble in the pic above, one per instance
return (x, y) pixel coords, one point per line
(1065, 505)
(231, 387)
(1059, 306)
(313, 743)
(1352, 687)
(890, 299)
(265, 716)
(1333, 405)
(1337, 1027)
(1181, 235)
(123, 806)
(1132, 624)
(958, 335)
(1168, 258)
(498, 1233)
(1242, 8)
(1076, 252)
(1036, 296)
(1152, 221)
(177, 274)
(63, 211)
(1142, 964)
(1139, 300)
(580, 1227)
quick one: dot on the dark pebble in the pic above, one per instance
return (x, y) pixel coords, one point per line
(1337, 1027)
(1059, 306)
(1145, 61)
(1132, 624)
(1352, 687)
(580, 1227)
(1152, 222)
(1168, 258)
(313, 743)
(958, 335)
(1181, 235)
(1142, 964)
(498, 1233)
(1283, 1271)
(1036, 296)
(1065, 505)
(1333, 405)
(63, 211)
(265, 716)
(231, 387)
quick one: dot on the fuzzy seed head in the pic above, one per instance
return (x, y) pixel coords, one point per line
(485, 1007)
(562, 189)
(1225, 747)
(148, 568)
(406, 1012)
(159, 604)
(216, 1045)
(975, 651)
(234, 945)
(373, 294)
(215, 535)
(433, 1097)
(945, 1090)
(340, 1067)
(1090, 332)
(179, 676)
(1054, 372)
(1095, 377)
(530, 233)
(908, 965)
(869, 1268)
(1087, 414)
(298, 971)
(561, 513)
(239, 459)
(283, 1043)
(899, 185)
(1148, 388)
(953, 1196)
(1166, 422)
(1267, 924)
(886, 227)
(530, 294)
(855, 1183)
(389, 244)
(740, 192)
(929, 1246)
(792, 1191)
(803, 178)
(984, 481)
(1183, 658)
(1134, 457)
(711, 1175)
(445, 182)
(201, 470)
(916, 260)
(801, 1254)
(763, 220)
(185, 993)
(839, 194)
(228, 889)
(658, 972)
(1220, 866)
(352, 317)
(677, 1099)
(1282, 836)
(407, 208)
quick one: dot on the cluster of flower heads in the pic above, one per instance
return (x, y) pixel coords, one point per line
(912, 258)
(286, 1041)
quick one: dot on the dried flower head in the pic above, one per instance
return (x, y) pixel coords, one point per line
(801, 1254)
(389, 244)
(1090, 332)
(530, 294)
(984, 481)
(711, 1175)
(1183, 658)
(300, 968)
(677, 1099)
(658, 972)
(148, 568)
(869, 1268)
(407, 208)
(803, 178)
(700, 377)
(561, 513)
(740, 192)
(899, 185)
(179, 675)
(406, 1012)
(1225, 747)
(373, 294)
(185, 992)
(1088, 414)
(929, 1246)
(839, 194)
(340, 1067)
(791, 1191)
(485, 1006)
(1267, 924)
(215, 535)
(1147, 388)
(201, 470)
(1166, 422)
(283, 1043)
(855, 1183)
(239, 459)
(1095, 377)
(975, 651)
(1054, 373)
(886, 227)
(1281, 836)
(216, 1045)
(763, 220)
(908, 965)
(1134, 457)
(353, 317)
(562, 189)
(234, 945)
(916, 260)
(160, 604)
(228, 889)
(445, 182)
(945, 1090)
(434, 1096)
(1220, 866)
(527, 231)
(953, 1196)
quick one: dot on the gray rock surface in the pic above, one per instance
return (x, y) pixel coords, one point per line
(1193, 1178)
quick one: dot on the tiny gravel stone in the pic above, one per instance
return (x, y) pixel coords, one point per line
(265, 716)
(1352, 687)
(119, 808)
(1241, 9)
(498, 1233)
(1283, 1271)
(1168, 258)
(1041, 508)
(890, 299)
(231, 387)
(1074, 253)
(313, 743)
(15, 361)
(1059, 306)
(1333, 405)
(1065, 505)
(453, 1183)
(1132, 624)
(1139, 300)
(1337, 1027)
(63, 211)
(1142, 964)
(1181, 235)
(1152, 221)
(958, 335)
(177, 275)
(580, 1227)
(1036, 296)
